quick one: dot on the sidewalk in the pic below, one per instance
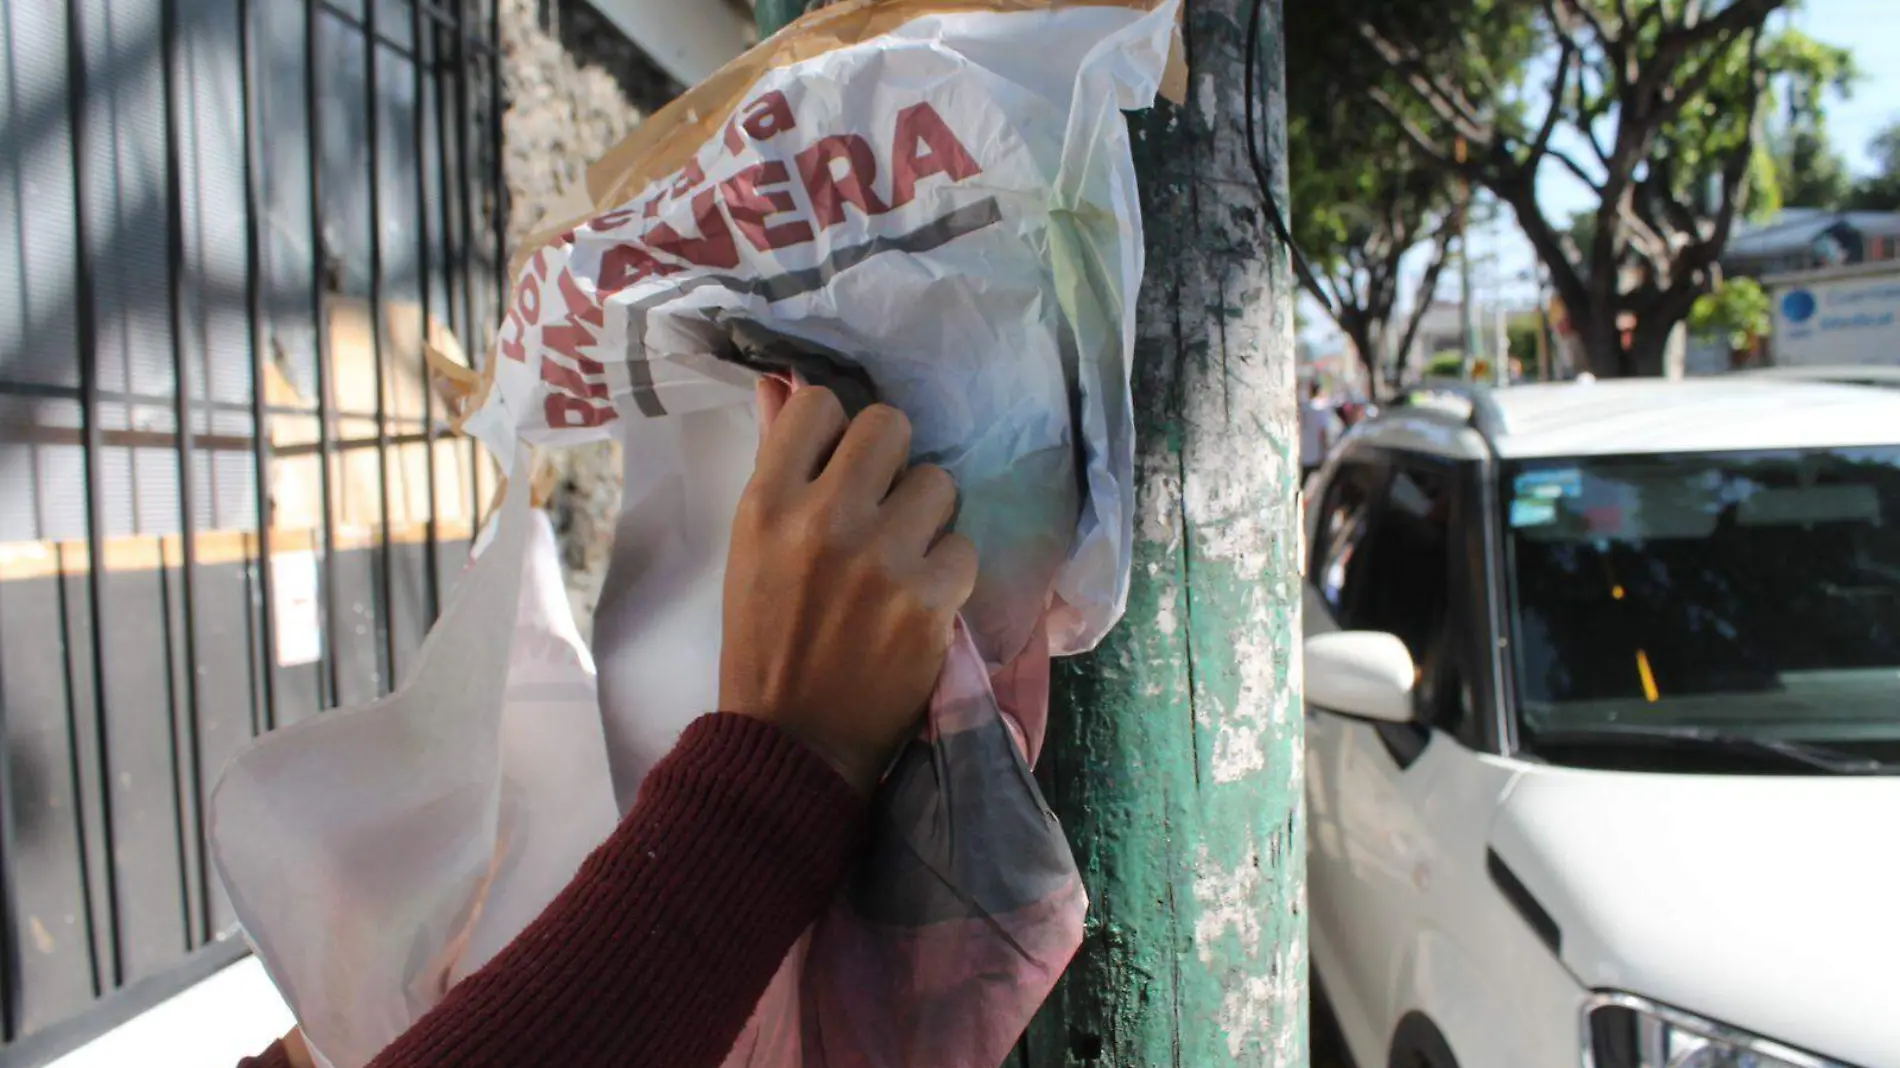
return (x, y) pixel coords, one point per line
(231, 1015)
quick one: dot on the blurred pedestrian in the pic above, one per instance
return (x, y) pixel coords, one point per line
(1319, 429)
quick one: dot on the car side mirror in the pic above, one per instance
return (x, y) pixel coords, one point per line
(1362, 673)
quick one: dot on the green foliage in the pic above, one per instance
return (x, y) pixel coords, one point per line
(1723, 119)
(1738, 310)
(1446, 364)
(1808, 172)
(1520, 337)
(1363, 195)
(1881, 192)
(1656, 106)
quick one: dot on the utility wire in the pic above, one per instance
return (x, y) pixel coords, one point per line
(1263, 173)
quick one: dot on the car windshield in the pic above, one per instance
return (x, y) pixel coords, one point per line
(1745, 597)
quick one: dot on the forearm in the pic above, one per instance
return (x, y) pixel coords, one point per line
(662, 944)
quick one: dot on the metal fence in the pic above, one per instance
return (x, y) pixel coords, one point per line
(228, 229)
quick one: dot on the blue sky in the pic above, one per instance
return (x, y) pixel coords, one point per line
(1871, 28)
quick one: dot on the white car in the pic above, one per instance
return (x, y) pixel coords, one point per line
(1603, 721)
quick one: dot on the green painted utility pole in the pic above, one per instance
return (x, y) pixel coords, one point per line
(774, 15)
(1175, 750)
(1174, 754)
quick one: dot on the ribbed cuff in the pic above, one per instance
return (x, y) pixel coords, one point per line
(764, 786)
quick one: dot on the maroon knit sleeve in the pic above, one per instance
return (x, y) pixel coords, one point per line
(661, 945)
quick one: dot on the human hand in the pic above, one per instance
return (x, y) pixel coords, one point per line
(297, 1050)
(841, 588)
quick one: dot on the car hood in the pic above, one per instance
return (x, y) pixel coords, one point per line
(1768, 903)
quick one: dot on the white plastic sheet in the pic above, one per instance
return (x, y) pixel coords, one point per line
(926, 202)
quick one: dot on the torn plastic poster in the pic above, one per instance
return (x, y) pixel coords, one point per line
(925, 202)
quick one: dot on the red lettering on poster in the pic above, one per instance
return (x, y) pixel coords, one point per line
(564, 412)
(829, 190)
(511, 345)
(565, 380)
(752, 208)
(611, 220)
(768, 116)
(528, 302)
(627, 263)
(714, 247)
(526, 312)
(689, 178)
(925, 146)
(571, 335)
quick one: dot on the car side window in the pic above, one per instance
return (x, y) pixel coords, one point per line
(1345, 514)
(1399, 581)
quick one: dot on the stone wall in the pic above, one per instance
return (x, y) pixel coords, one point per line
(575, 86)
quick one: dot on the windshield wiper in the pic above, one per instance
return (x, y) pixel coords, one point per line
(1803, 755)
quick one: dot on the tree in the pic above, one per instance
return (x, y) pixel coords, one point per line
(1808, 172)
(1738, 311)
(1524, 338)
(1659, 104)
(1363, 198)
(1881, 192)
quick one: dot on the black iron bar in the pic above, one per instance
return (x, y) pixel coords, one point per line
(108, 974)
(435, 14)
(379, 348)
(497, 185)
(260, 406)
(471, 334)
(187, 778)
(165, 439)
(173, 751)
(430, 552)
(360, 24)
(39, 390)
(320, 332)
(74, 760)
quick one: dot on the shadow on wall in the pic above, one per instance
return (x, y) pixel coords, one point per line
(122, 692)
(127, 295)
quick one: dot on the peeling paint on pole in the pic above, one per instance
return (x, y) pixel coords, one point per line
(1175, 750)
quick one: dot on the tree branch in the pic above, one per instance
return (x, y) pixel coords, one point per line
(1612, 45)
(1427, 286)
(1416, 134)
(1625, 21)
(1447, 102)
(1558, 84)
(1739, 16)
(1575, 168)
(1703, 253)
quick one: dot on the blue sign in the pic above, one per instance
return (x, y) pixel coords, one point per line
(1799, 305)
(1549, 484)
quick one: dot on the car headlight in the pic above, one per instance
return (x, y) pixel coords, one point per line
(1622, 1031)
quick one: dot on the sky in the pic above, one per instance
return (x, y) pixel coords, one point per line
(1871, 28)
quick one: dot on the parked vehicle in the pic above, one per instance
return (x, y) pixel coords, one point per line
(1603, 716)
